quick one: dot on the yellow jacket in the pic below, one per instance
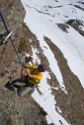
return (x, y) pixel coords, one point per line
(38, 75)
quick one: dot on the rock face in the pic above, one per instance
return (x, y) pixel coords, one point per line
(13, 13)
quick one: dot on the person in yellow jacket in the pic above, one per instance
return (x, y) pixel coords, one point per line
(33, 77)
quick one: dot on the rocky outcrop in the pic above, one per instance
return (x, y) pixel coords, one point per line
(77, 25)
(13, 13)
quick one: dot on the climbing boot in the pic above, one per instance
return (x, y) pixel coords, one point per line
(9, 86)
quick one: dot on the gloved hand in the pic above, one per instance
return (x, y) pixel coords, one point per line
(28, 59)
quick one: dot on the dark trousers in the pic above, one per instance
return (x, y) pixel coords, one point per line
(23, 79)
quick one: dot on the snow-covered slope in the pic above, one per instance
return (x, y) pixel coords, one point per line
(42, 17)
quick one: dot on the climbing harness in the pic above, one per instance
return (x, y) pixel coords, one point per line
(9, 36)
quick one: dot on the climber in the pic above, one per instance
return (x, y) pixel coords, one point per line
(33, 77)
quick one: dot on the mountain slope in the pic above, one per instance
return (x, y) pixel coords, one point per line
(62, 45)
